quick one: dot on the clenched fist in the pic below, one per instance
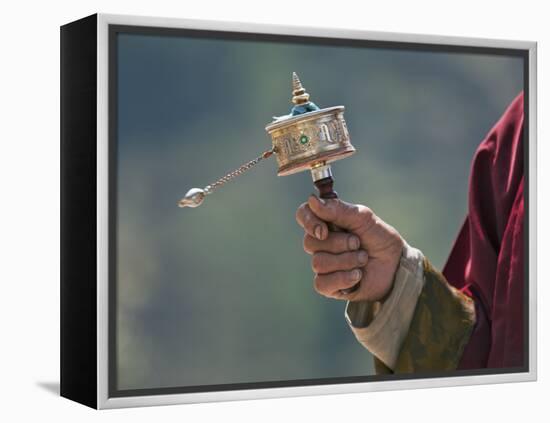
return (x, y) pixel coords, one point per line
(368, 252)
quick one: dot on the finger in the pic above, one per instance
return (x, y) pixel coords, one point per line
(323, 263)
(335, 242)
(311, 223)
(351, 217)
(330, 284)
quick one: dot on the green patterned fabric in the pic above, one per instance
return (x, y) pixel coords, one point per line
(442, 323)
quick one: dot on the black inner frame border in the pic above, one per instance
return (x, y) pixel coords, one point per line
(115, 29)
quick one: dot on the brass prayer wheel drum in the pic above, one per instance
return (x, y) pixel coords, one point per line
(310, 139)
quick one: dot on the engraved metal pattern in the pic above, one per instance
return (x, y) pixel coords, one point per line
(328, 139)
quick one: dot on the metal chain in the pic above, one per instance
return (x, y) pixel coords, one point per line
(208, 189)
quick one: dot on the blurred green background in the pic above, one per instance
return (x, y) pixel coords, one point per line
(223, 293)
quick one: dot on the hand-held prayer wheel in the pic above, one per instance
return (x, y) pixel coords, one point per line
(309, 138)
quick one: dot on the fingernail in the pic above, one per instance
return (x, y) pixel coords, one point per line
(353, 243)
(356, 275)
(318, 231)
(362, 256)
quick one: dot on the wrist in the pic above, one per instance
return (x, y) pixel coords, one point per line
(398, 257)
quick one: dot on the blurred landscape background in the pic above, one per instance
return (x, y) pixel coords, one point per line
(223, 293)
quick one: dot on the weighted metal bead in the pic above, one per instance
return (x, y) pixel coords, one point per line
(193, 198)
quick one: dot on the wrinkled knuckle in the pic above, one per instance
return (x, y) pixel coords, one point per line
(317, 263)
(317, 284)
(307, 218)
(306, 244)
(299, 212)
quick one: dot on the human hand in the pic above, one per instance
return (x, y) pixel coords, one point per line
(368, 252)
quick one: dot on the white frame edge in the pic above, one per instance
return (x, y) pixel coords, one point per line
(103, 400)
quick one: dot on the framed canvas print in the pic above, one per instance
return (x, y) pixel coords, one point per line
(254, 211)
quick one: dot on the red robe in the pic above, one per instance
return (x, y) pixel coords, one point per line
(487, 260)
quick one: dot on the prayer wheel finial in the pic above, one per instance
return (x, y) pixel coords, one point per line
(299, 95)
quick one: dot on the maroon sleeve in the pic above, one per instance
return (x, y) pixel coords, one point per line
(487, 260)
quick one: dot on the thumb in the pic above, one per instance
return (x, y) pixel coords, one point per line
(345, 215)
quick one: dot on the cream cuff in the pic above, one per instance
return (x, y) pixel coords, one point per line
(382, 327)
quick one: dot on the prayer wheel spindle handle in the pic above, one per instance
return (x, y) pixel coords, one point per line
(325, 186)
